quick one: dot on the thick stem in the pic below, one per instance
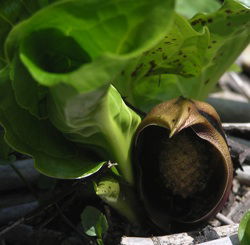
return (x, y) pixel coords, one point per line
(119, 138)
(120, 149)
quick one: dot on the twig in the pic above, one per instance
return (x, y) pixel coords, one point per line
(47, 221)
(40, 210)
(18, 222)
(55, 214)
(69, 223)
(223, 219)
(236, 126)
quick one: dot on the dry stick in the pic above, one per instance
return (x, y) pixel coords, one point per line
(236, 126)
(39, 210)
(69, 223)
(47, 221)
(18, 222)
(55, 215)
(222, 218)
(55, 202)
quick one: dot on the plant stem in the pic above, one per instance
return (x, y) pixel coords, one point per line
(120, 196)
(99, 241)
(120, 139)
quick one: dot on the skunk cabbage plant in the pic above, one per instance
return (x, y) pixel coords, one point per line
(74, 74)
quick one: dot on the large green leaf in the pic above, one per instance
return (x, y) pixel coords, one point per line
(63, 59)
(99, 119)
(87, 29)
(54, 155)
(181, 52)
(86, 51)
(12, 12)
(228, 27)
(29, 94)
(190, 59)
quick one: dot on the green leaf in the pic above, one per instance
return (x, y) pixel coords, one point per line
(228, 26)
(54, 155)
(99, 119)
(192, 7)
(182, 52)
(91, 47)
(68, 62)
(235, 68)
(28, 93)
(113, 26)
(244, 229)
(190, 59)
(155, 89)
(12, 12)
(94, 222)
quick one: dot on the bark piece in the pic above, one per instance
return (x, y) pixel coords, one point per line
(227, 232)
